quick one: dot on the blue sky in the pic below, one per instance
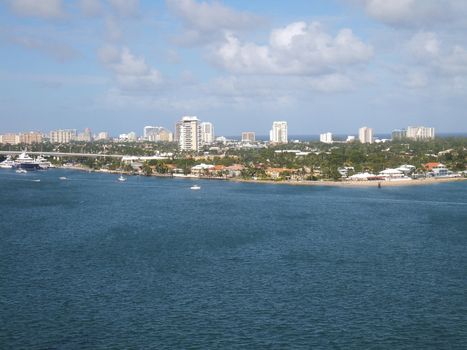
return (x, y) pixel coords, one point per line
(332, 65)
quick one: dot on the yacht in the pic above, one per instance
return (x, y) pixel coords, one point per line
(195, 187)
(43, 163)
(7, 163)
(26, 162)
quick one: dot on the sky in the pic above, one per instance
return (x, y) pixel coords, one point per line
(322, 65)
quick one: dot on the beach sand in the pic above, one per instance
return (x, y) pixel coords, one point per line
(428, 181)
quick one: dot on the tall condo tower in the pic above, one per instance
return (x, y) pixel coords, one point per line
(278, 134)
(207, 133)
(365, 135)
(188, 133)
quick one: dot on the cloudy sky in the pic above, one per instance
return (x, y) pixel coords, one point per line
(329, 65)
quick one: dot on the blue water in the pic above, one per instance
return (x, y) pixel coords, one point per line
(91, 263)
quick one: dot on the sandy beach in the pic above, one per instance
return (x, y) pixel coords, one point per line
(428, 181)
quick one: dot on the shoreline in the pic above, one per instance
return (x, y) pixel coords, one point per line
(415, 182)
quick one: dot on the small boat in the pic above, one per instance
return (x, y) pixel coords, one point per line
(21, 171)
(121, 178)
(195, 187)
(7, 163)
(63, 178)
(36, 180)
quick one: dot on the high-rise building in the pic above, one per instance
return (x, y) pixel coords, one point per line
(148, 131)
(207, 133)
(326, 137)
(278, 133)
(85, 136)
(248, 136)
(420, 133)
(188, 133)
(159, 134)
(132, 136)
(62, 136)
(30, 137)
(398, 134)
(11, 139)
(365, 135)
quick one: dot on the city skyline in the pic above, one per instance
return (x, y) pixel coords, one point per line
(327, 65)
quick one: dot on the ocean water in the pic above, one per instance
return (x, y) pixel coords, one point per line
(91, 263)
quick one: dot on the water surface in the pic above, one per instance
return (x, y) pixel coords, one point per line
(92, 263)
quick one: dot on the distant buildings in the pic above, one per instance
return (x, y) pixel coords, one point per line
(85, 136)
(326, 137)
(207, 133)
(11, 139)
(365, 135)
(188, 133)
(420, 133)
(103, 135)
(350, 138)
(157, 134)
(62, 136)
(398, 134)
(278, 133)
(248, 136)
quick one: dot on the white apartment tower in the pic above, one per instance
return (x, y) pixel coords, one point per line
(207, 133)
(278, 134)
(62, 136)
(188, 133)
(420, 133)
(326, 137)
(365, 135)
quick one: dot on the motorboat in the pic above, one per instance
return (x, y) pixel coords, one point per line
(195, 187)
(43, 163)
(121, 178)
(62, 178)
(21, 171)
(7, 163)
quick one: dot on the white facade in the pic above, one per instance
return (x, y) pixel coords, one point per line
(326, 137)
(207, 133)
(278, 134)
(62, 136)
(148, 131)
(365, 135)
(420, 133)
(189, 133)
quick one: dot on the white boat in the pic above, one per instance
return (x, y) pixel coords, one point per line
(63, 178)
(195, 187)
(121, 178)
(36, 180)
(24, 161)
(43, 163)
(7, 163)
(21, 171)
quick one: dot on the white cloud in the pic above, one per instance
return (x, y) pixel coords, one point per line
(46, 9)
(424, 45)
(409, 13)
(206, 22)
(132, 74)
(298, 48)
